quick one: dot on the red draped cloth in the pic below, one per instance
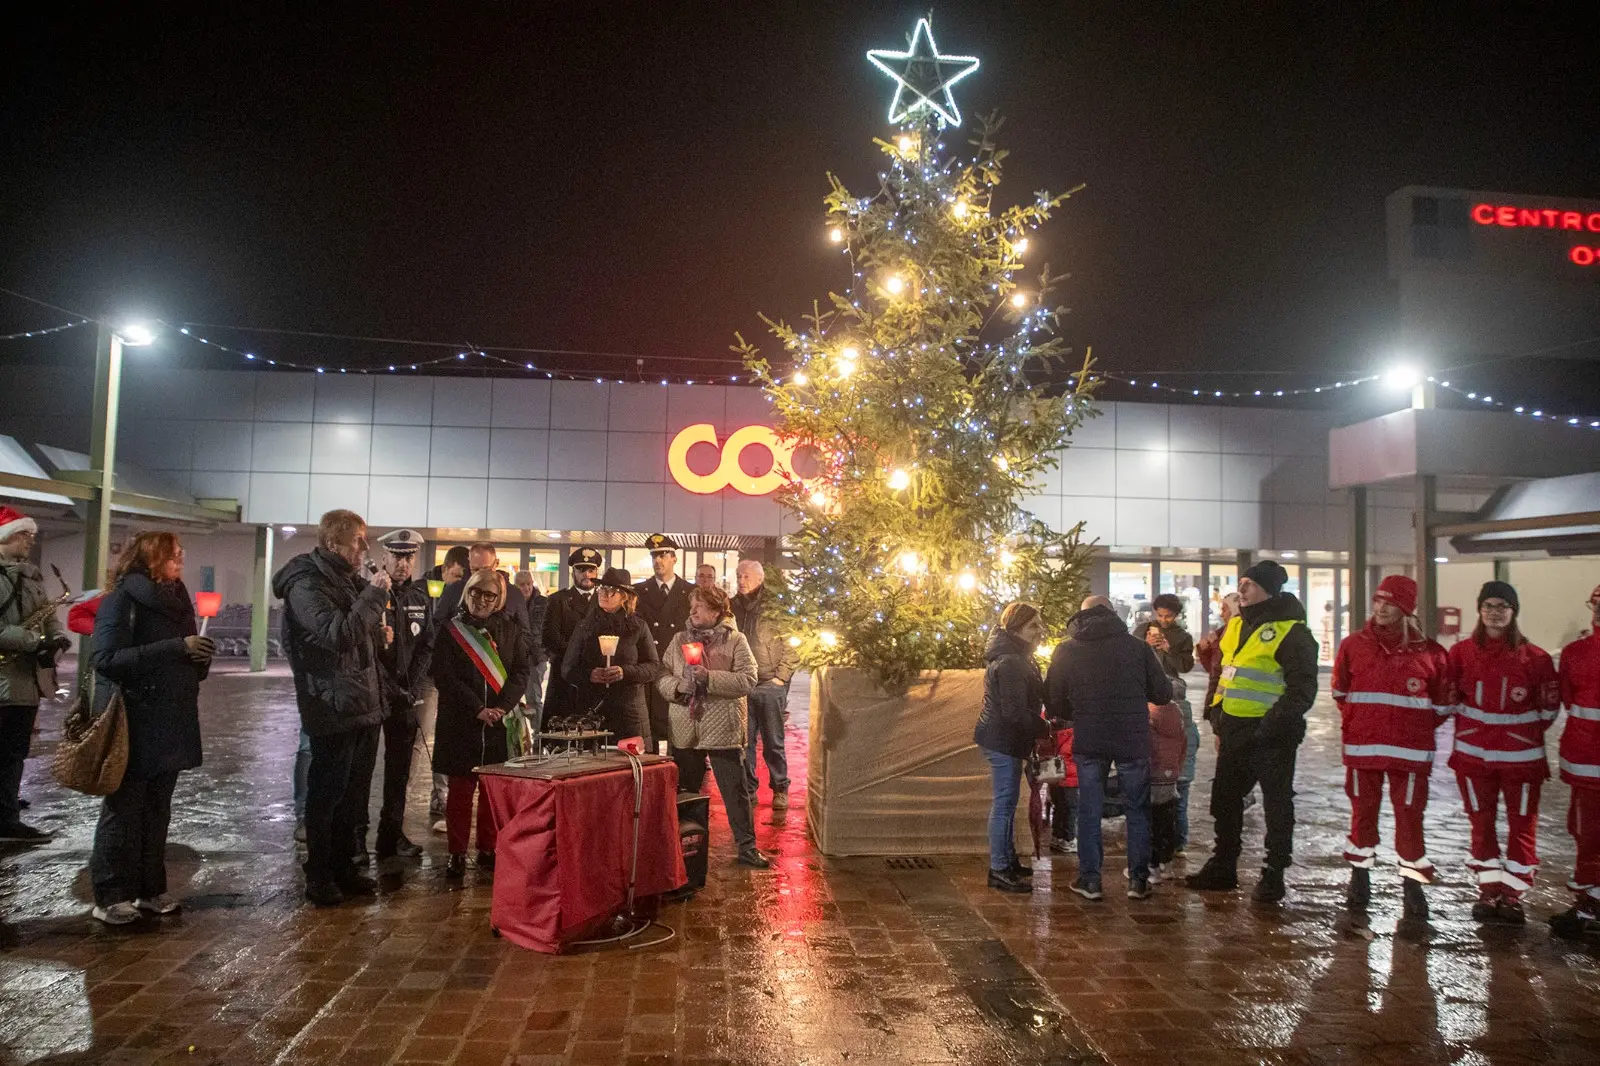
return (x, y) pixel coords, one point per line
(561, 861)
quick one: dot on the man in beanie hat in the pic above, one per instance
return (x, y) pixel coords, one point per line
(1507, 694)
(1392, 687)
(1268, 683)
(21, 651)
(1580, 769)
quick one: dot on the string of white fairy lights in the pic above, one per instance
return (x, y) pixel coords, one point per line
(43, 332)
(1532, 411)
(1236, 394)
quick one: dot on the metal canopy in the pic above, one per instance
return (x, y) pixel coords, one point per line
(1559, 515)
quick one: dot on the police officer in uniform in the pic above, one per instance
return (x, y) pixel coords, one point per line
(664, 606)
(1269, 681)
(564, 611)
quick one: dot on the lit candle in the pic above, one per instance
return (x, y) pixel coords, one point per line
(206, 606)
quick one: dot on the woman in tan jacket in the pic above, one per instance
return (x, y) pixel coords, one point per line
(707, 711)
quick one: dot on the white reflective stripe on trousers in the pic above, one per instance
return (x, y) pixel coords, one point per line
(1490, 755)
(1478, 714)
(1364, 751)
(1390, 699)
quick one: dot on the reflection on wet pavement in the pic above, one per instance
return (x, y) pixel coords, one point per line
(814, 961)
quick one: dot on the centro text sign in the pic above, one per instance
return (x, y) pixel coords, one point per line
(728, 471)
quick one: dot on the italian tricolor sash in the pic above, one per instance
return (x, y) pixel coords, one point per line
(481, 650)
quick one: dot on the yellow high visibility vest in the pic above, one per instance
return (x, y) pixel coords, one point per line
(1251, 680)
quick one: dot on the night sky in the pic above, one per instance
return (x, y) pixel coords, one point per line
(646, 178)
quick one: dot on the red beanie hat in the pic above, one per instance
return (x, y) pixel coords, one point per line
(1400, 591)
(13, 522)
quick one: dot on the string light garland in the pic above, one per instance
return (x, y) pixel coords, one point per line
(44, 332)
(1525, 410)
(1239, 394)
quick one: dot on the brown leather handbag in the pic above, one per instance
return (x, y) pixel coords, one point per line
(92, 755)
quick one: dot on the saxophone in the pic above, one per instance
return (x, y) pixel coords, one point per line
(36, 620)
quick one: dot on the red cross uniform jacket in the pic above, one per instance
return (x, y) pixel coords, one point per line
(1506, 698)
(1392, 695)
(1580, 691)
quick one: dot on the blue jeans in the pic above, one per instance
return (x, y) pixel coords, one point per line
(1183, 813)
(1134, 777)
(1006, 771)
(768, 704)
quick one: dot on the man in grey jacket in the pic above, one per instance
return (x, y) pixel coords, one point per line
(22, 649)
(755, 611)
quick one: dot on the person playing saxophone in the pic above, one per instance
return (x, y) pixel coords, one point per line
(30, 636)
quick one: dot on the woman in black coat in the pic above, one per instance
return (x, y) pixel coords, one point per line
(616, 693)
(145, 642)
(470, 730)
(1008, 726)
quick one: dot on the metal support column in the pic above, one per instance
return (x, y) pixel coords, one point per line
(1359, 597)
(102, 464)
(1427, 571)
(261, 599)
(1502, 570)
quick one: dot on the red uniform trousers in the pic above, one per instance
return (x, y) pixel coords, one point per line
(1408, 794)
(1512, 875)
(458, 815)
(1583, 822)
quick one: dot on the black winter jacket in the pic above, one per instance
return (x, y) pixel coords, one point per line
(1013, 695)
(756, 616)
(1285, 721)
(461, 741)
(621, 703)
(333, 637)
(538, 603)
(1102, 679)
(138, 644)
(564, 611)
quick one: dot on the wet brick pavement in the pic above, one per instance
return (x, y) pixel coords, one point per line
(815, 961)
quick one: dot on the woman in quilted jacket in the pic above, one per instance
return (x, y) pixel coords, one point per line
(707, 712)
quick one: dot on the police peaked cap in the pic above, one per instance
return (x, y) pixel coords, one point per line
(660, 542)
(401, 542)
(584, 557)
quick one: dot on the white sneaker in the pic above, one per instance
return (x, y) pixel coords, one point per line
(1064, 847)
(166, 903)
(1157, 873)
(439, 826)
(117, 914)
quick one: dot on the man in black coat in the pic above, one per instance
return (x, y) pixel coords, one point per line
(563, 612)
(756, 613)
(1269, 645)
(1102, 680)
(482, 556)
(333, 637)
(538, 606)
(408, 618)
(664, 606)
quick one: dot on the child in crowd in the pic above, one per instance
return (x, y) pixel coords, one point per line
(1064, 797)
(1168, 747)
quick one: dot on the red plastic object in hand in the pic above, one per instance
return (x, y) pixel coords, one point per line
(693, 653)
(207, 604)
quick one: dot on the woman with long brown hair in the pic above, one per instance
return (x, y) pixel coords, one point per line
(145, 643)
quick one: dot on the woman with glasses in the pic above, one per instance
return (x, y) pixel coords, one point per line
(1507, 694)
(146, 644)
(611, 686)
(481, 660)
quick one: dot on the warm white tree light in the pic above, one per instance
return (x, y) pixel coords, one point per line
(899, 479)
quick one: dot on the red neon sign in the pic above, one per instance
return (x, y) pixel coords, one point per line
(1583, 255)
(1510, 216)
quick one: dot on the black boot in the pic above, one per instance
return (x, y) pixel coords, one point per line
(1214, 876)
(486, 860)
(1360, 893)
(1509, 911)
(1484, 909)
(1415, 904)
(1270, 888)
(1006, 881)
(1574, 924)
(455, 867)
(1019, 870)
(397, 845)
(353, 884)
(323, 893)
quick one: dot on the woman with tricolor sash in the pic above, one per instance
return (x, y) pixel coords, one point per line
(481, 660)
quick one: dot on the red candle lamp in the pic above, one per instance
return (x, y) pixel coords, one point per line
(206, 606)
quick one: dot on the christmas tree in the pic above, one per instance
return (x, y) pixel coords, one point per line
(932, 394)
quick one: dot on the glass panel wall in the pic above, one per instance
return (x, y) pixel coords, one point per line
(1183, 580)
(1320, 606)
(1130, 590)
(1224, 578)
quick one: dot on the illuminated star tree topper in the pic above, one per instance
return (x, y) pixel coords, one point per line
(923, 78)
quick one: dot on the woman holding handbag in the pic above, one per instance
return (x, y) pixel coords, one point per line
(1008, 726)
(146, 645)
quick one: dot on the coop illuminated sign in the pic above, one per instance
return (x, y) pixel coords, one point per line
(729, 472)
(1513, 216)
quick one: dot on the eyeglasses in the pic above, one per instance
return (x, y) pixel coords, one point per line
(484, 595)
(1494, 605)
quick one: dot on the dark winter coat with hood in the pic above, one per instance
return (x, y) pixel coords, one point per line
(461, 740)
(1103, 679)
(621, 703)
(138, 644)
(333, 636)
(1013, 696)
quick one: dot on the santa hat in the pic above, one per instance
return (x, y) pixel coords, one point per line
(13, 522)
(1400, 591)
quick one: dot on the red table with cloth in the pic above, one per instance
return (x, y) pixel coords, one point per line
(566, 843)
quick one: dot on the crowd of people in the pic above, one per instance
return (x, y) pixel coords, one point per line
(1115, 703)
(377, 659)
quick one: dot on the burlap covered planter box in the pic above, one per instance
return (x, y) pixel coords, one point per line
(898, 774)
